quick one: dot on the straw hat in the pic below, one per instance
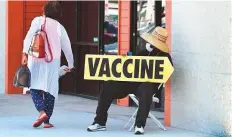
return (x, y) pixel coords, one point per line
(157, 38)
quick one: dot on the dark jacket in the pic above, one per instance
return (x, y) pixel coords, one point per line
(155, 52)
(110, 28)
(132, 86)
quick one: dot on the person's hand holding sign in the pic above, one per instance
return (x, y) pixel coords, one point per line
(126, 54)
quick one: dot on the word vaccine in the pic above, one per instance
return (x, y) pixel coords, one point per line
(129, 68)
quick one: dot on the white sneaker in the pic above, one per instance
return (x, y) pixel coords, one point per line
(96, 127)
(139, 130)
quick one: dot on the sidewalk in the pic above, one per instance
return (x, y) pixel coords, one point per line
(72, 115)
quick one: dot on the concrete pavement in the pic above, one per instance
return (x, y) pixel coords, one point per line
(71, 117)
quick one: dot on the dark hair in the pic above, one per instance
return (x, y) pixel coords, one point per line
(52, 10)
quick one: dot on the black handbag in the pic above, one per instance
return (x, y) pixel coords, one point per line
(22, 77)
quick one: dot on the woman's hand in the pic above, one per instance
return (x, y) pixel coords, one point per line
(68, 69)
(24, 59)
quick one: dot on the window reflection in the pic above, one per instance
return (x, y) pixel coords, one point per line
(111, 27)
(145, 22)
(146, 15)
(146, 19)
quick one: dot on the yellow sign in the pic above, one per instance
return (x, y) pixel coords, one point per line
(128, 68)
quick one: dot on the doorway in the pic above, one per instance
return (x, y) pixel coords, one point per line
(145, 16)
(83, 21)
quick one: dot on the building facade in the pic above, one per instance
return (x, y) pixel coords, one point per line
(2, 44)
(198, 97)
(202, 51)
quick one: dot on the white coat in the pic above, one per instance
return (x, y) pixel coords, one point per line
(45, 76)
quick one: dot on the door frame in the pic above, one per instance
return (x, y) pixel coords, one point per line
(133, 26)
(168, 88)
(101, 19)
(101, 47)
(14, 40)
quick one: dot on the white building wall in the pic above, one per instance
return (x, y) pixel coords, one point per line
(202, 51)
(2, 45)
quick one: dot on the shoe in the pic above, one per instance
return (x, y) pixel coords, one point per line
(40, 120)
(139, 130)
(96, 127)
(48, 126)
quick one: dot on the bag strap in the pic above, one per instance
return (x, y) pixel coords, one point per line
(43, 26)
(50, 51)
(49, 46)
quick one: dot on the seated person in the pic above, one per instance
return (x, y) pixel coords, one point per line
(155, 46)
(110, 35)
(110, 28)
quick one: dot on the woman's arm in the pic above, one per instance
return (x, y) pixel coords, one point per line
(35, 26)
(66, 47)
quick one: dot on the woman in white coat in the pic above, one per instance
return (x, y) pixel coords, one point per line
(44, 75)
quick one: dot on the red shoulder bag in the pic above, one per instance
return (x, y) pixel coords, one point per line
(37, 47)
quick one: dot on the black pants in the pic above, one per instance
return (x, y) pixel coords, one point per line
(118, 90)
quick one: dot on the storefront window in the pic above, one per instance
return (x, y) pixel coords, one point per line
(145, 15)
(146, 18)
(111, 27)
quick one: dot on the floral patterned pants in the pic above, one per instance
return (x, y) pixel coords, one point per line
(43, 101)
